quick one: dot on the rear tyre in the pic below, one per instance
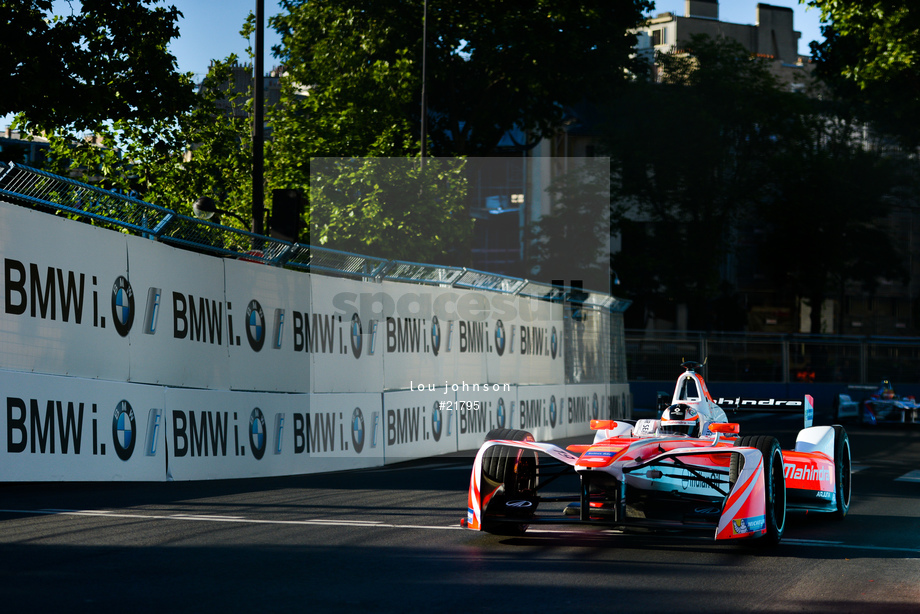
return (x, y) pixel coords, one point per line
(842, 471)
(774, 484)
(516, 470)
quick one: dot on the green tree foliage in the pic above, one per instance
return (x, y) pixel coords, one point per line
(822, 213)
(688, 159)
(108, 61)
(573, 239)
(349, 79)
(871, 51)
(391, 207)
(205, 151)
(354, 89)
(491, 66)
(717, 152)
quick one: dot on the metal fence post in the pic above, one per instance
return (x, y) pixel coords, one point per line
(864, 361)
(785, 360)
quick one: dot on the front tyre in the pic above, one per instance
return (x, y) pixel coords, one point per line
(842, 471)
(516, 470)
(774, 484)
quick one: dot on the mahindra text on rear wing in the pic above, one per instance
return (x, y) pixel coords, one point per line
(805, 405)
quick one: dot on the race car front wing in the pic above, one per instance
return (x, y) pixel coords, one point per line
(736, 505)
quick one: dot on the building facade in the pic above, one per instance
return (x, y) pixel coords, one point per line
(772, 38)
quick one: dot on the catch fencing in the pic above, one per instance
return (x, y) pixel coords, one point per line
(593, 321)
(774, 358)
(238, 355)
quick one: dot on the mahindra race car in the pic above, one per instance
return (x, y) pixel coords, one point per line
(884, 405)
(688, 471)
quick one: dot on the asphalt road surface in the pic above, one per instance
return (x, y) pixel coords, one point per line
(389, 540)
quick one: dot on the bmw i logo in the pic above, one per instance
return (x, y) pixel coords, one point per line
(257, 433)
(124, 430)
(552, 411)
(595, 408)
(255, 325)
(356, 338)
(500, 413)
(122, 306)
(553, 343)
(500, 338)
(436, 421)
(357, 430)
(435, 335)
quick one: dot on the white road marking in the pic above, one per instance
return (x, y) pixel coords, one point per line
(912, 476)
(202, 518)
(827, 544)
(371, 523)
(431, 466)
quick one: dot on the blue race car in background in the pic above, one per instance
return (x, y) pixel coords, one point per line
(883, 405)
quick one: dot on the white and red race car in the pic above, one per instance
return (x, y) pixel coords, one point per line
(687, 471)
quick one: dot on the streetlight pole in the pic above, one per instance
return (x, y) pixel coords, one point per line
(424, 95)
(258, 125)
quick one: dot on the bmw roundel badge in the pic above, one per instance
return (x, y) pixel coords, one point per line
(124, 430)
(122, 306)
(435, 335)
(499, 337)
(356, 338)
(255, 325)
(357, 430)
(257, 433)
(500, 413)
(436, 421)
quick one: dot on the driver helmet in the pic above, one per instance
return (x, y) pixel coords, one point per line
(680, 419)
(887, 391)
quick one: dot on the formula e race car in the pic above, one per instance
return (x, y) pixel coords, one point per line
(688, 471)
(883, 405)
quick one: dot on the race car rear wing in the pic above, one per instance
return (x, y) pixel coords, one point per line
(805, 405)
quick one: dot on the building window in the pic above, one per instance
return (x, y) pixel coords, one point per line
(660, 37)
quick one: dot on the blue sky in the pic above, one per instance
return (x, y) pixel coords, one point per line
(209, 29)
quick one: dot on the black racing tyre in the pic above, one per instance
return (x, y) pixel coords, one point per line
(516, 469)
(512, 434)
(842, 471)
(513, 467)
(774, 483)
